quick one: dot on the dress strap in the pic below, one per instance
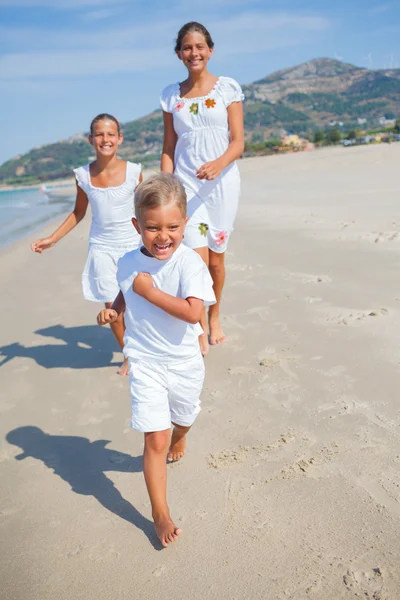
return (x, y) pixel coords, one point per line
(133, 171)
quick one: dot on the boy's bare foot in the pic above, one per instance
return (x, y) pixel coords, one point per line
(166, 530)
(203, 342)
(217, 336)
(124, 368)
(178, 445)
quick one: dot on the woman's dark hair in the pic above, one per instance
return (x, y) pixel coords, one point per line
(104, 117)
(193, 27)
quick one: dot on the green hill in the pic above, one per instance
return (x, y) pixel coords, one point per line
(301, 99)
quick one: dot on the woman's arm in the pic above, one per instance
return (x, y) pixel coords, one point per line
(170, 138)
(70, 222)
(212, 169)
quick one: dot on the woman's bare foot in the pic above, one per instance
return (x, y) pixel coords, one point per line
(178, 444)
(166, 530)
(203, 342)
(124, 368)
(217, 336)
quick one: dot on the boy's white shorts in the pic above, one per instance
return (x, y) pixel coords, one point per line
(165, 392)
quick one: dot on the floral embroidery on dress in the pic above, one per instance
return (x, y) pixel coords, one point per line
(194, 108)
(210, 103)
(178, 106)
(221, 238)
(203, 228)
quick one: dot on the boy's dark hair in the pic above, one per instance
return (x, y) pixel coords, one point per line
(104, 117)
(193, 27)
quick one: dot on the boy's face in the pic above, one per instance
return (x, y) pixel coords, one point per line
(161, 229)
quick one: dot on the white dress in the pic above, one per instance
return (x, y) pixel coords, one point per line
(202, 127)
(112, 233)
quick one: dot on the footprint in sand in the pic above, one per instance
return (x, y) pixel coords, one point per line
(306, 278)
(227, 458)
(359, 317)
(366, 584)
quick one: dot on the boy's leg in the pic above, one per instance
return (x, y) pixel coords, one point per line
(155, 473)
(217, 272)
(118, 329)
(178, 443)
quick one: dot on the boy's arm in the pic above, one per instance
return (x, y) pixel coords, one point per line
(188, 310)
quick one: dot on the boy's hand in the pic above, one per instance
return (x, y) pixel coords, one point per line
(142, 284)
(107, 315)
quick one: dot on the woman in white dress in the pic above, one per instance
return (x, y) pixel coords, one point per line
(108, 185)
(203, 137)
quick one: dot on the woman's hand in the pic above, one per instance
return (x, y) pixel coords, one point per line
(42, 244)
(210, 170)
(142, 284)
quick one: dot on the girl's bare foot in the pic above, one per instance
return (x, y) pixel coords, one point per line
(124, 368)
(166, 530)
(203, 342)
(178, 445)
(217, 336)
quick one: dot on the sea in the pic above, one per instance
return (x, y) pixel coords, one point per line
(22, 212)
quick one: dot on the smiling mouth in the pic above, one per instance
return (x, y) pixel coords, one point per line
(162, 247)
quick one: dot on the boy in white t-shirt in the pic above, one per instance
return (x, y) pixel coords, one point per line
(164, 286)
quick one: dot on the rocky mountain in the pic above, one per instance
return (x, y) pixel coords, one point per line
(318, 94)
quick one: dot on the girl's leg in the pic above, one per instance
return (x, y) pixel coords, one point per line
(178, 443)
(118, 329)
(156, 446)
(203, 339)
(217, 270)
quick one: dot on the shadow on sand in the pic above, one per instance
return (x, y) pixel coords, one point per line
(84, 347)
(82, 464)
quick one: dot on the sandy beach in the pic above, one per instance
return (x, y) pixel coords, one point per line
(290, 488)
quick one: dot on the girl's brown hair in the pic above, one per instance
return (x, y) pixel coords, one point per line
(193, 27)
(104, 117)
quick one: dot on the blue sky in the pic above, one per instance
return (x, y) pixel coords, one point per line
(64, 61)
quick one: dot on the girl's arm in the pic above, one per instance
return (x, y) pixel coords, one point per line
(212, 169)
(70, 222)
(188, 310)
(170, 138)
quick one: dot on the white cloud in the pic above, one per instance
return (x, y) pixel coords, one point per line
(136, 48)
(99, 15)
(381, 8)
(58, 4)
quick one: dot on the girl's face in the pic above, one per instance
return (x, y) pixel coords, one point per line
(194, 52)
(105, 138)
(161, 229)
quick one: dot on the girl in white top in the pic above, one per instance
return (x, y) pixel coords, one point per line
(203, 136)
(164, 285)
(108, 185)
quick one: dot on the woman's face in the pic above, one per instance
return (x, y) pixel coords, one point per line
(194, 52)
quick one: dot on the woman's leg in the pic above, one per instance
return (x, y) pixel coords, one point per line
(118, 329)
(155, 473)
(216, 266)
(203, 338)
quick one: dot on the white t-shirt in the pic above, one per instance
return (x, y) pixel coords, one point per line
(150, 331)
